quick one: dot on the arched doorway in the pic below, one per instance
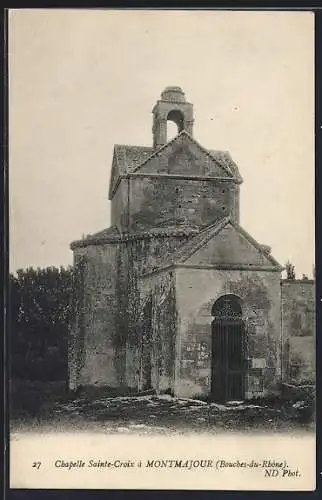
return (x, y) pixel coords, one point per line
(228, 350)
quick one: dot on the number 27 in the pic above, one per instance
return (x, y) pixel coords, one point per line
(36, 464)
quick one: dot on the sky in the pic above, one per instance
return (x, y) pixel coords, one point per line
(81, 81)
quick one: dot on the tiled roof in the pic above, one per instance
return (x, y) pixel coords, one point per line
(108, 232)
(112, 234)
(224, 159)
(131, 157)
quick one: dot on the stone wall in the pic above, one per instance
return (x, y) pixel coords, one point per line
(161, 288)
(298, 330)
(94, 331)
(120, 206)
(137, 256)
(197, 290)
(164, 201)
(106, 337)
(180, 184)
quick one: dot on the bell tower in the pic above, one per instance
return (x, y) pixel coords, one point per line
(171, 107)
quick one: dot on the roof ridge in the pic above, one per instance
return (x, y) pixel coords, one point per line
(132, 146)
(107, 231)
(112, 233)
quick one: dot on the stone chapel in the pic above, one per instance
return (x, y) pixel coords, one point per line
(175, 295)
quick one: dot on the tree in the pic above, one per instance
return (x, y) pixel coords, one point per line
(40, 308)
(290, 271)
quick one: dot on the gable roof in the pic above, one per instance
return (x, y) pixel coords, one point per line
(197, 242)
(129, 159)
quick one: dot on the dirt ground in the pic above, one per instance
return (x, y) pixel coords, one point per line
(146, 414)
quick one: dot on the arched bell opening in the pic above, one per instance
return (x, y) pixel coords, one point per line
(175, 123)
(228, 349)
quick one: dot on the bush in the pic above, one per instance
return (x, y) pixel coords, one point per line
(35, 398)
